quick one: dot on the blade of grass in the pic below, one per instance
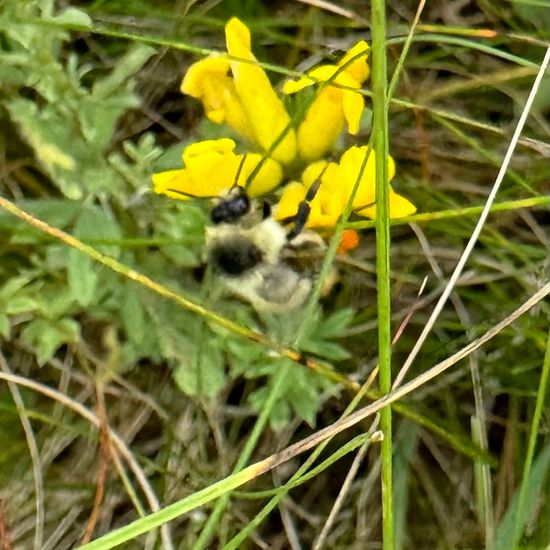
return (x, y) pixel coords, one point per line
(33, 451)
(383, 281)
(302, 474)
(531, 487)
(199, 498)
(481, 222)
(542, 395)
(212, 523)
(115, 440)
(541, 200)
(469, 44)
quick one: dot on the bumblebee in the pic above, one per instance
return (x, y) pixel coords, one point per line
(256, 258)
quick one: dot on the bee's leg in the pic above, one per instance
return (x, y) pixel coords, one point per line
(266, 210)
(304, 208)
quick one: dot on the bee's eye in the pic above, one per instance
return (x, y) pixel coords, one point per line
(230, 210)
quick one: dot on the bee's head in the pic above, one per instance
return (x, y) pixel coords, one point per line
(236, 206)
(231, 208)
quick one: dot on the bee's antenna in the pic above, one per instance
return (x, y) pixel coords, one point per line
(239, 170)
(363, 206)
(304, 208)
(188, 195)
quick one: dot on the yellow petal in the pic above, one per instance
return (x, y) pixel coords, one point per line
(363, 204)
(358, 68)
(209, 81)
(353, 105)
(294, 86)
(313, 171)
(170, 182)
(263, 109)
(316, 75)
(212, 164)
(349, 168)
(325, 117)
(293, 194)
(268, 177)
(399, 207)
(323, 123)
(213, 67)
(211, 167)
(332, 197)
(328, 204)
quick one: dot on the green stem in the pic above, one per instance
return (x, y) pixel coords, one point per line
(542, 395)
(379, 98)
(274, 394)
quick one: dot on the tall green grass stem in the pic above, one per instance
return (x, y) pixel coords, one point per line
(380, 131)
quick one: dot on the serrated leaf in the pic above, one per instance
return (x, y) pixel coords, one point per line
(55, 304)
(335, 324)
(202, 372)
(327, 350)
(51, 138)
(98, 117)
(57, 212)
(303, 396)
(280, 413)
(48, 152)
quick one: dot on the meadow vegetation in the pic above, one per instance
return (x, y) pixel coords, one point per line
(132, 384)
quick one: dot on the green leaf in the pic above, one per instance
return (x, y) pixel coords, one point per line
(45, 337)
(4, 326)
(94, 224)
(82, 277)
(132, 313)
(73, 17)
(303, 394)
(20, 304)
(126, 66)
(280, 413)
(327, 350)
(13, 285)
(504, 539)
(335, 324)
(50, 137)
(202, 372)
(57, 212)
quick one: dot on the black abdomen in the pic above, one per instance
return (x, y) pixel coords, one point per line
(235, 256)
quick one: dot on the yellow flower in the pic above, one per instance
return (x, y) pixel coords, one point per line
(246, 101)
(209, 81)
(333, 106)
(337, 182)
(236, 91)
(210, 167)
